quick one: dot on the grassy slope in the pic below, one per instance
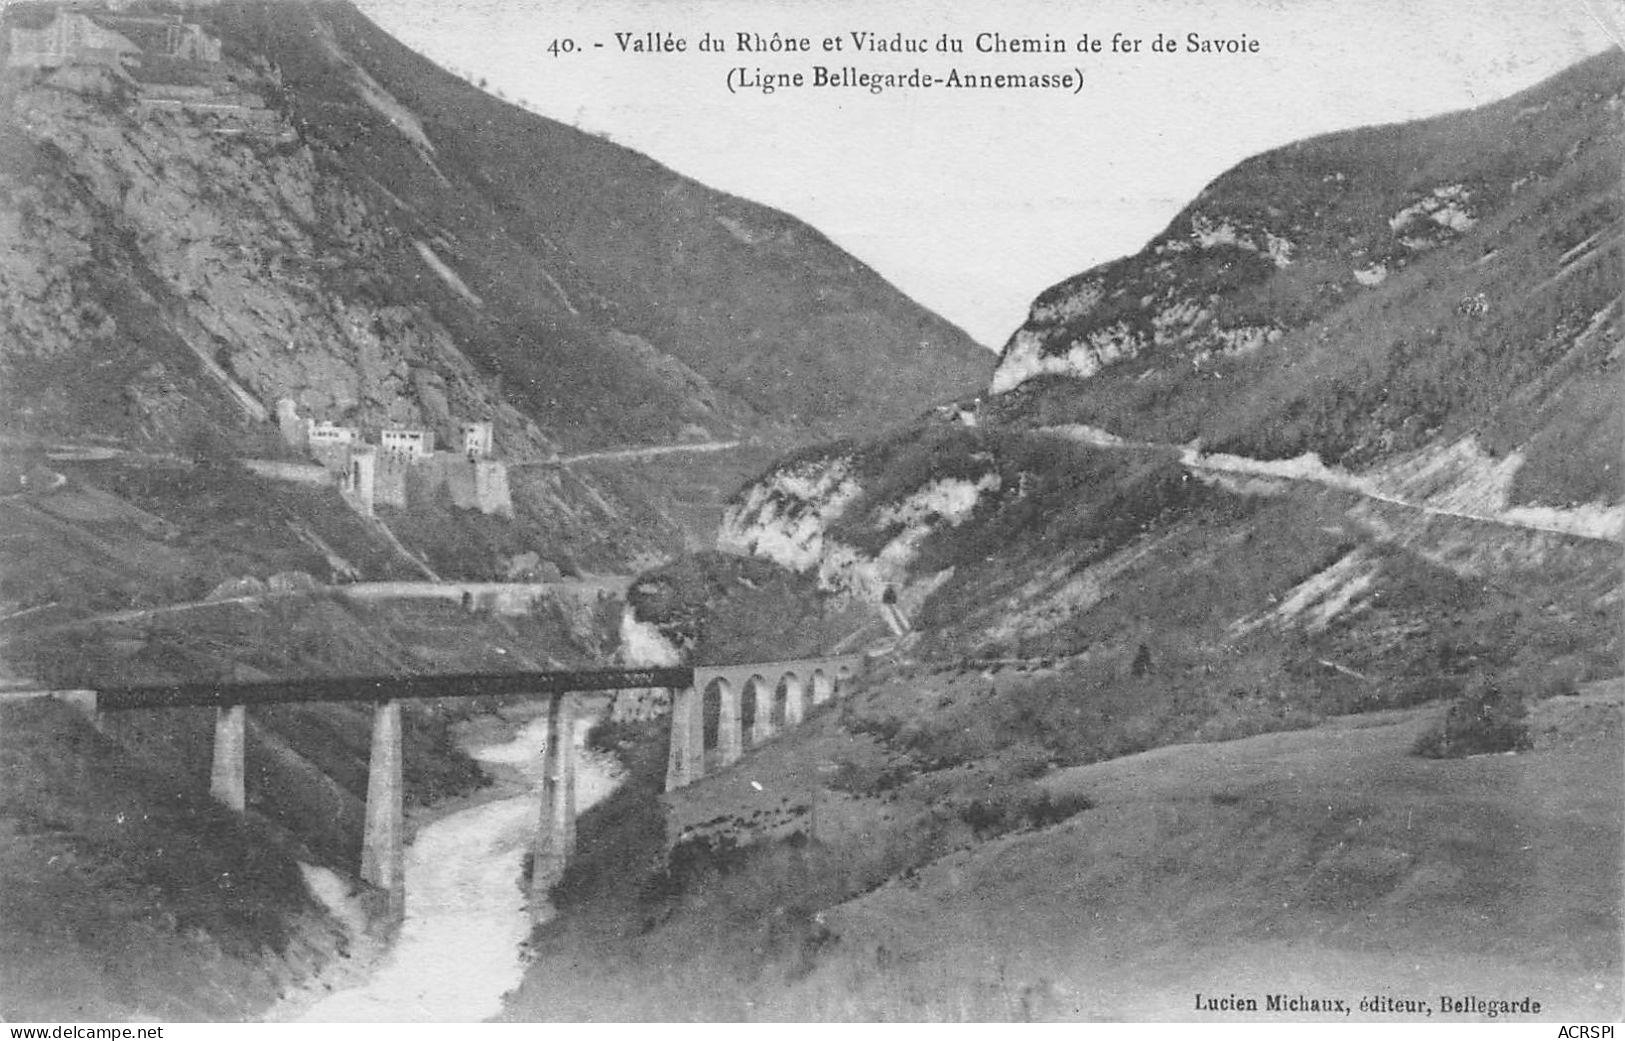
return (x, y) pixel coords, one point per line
(129, 893)
(134, 533)
(140, 532)
(1327, 860)
(1311, 861)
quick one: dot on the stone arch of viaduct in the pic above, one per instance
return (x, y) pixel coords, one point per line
(730, 709)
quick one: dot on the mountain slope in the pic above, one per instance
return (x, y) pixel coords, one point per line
(344, 225)
(1426, 314)
(1370, 293)
(1205, 611)
(387, 243)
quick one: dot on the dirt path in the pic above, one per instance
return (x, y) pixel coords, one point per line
(632, 453)
(374, 591)
(1325, 477)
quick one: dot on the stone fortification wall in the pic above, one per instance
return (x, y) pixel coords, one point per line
(473, 484)
(391, 486)
(335, 455)
(400, 476)
(491, 494)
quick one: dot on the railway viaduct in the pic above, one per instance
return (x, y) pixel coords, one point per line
(774, 692)
(729, 709)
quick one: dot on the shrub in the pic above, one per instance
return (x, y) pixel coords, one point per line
(1014, 810)
(615, 735)
(1050, 809)
(697, 856)
(872, 779)
(1486, 719)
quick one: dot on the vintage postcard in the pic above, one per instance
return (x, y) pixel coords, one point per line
(723, 511)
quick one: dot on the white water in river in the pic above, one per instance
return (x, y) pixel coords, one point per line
(460, 947)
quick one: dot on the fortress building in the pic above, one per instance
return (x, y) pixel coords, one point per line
(419, 444)
(403, 467)
(476, 439)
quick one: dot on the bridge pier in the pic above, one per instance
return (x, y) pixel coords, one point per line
(383, 861)
(761, 724)
(730, 732)
(226, 774)
(685, 762)
(795, 700)
(555, 839)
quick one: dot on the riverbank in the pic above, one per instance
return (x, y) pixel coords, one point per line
(462, 945)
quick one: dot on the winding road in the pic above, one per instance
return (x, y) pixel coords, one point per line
(630, 453)
(1560, 522)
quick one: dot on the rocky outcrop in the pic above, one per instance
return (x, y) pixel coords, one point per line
(243, 242)
(813, 516)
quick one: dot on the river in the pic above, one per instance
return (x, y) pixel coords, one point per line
(461, 945)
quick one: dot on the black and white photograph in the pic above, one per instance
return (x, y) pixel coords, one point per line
(811, 511)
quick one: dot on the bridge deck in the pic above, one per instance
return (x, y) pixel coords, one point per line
(388, 688)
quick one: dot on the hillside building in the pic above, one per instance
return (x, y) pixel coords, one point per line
(489, 492)
(403, 467)
(358, 479)
(328, 433)
(330, 444)
(418, 444)
(476, 438)
(71, 38)
(392, 473)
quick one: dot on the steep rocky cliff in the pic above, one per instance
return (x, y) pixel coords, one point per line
(323, 217)
(341, 223)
